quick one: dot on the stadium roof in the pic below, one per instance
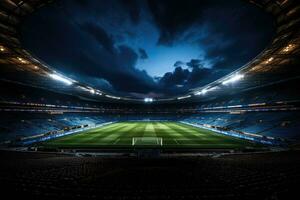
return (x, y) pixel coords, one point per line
(278, 62)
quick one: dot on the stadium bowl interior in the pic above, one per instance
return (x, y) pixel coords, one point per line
(61, 138)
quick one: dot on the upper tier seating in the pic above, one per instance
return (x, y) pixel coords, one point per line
(16, 125)
(275, 124)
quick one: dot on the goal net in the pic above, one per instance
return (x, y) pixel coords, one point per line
(154, 141)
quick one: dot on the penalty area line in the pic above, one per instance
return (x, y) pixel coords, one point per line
(116, 141)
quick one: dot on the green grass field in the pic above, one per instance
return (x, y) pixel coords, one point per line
(173, 134)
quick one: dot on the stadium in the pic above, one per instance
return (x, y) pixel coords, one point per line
(64, 134)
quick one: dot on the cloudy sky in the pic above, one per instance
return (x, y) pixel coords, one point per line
(147, 48)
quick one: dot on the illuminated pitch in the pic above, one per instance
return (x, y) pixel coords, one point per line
(145, 134)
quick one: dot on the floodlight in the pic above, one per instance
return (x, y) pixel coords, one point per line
(92, 91)
(98, 92)
(288, 48)
(21, 60)
(269, 60)
(184, 97)
(205, 90)
(112, 97)
(234, 78)
(60, 78)
(148, 100)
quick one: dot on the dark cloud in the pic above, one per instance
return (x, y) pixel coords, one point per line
(178, 76)
(99, 43)
(82, 3)
(173, 17)
(187, 78)
(195, 63)
(89, 60)
(120, 72)
(100, 35)
(133, 10)
(231, 39)
(200, 76)
(143, 54)
(179, 64)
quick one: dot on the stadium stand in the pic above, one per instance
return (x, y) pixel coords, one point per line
(247, 176)
(14, 126)
(275, 124)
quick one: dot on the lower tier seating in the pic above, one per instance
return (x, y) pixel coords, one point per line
(248, 176)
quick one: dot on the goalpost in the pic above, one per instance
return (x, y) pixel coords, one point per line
(151, 141)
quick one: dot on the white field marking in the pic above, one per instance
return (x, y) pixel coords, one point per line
(106, 129)
(97, 135)
(185, 129)
(82, 137)
(149, 131)
(170, 131)
(123, 130)
(181, 132)
(104, 143)
(138, 131)
(198, 139)
(115, 142)
(117, 132)
(111, 128)
(203, 145)
(82, 134)
(195, 132)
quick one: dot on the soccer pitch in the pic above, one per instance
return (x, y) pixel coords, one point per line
(170, 134)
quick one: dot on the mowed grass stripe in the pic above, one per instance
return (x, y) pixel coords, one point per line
(138, 131)
(212, 138)
(81, 136)
(184, 135)
(117, 136)
(112, 134)
(174, 134)
(198, 132)
(106, 137)
(193, 134)
(168, 134)
(100, 133)
(149, 130)
(85, 137)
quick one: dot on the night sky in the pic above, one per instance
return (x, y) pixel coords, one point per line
(140, 48)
